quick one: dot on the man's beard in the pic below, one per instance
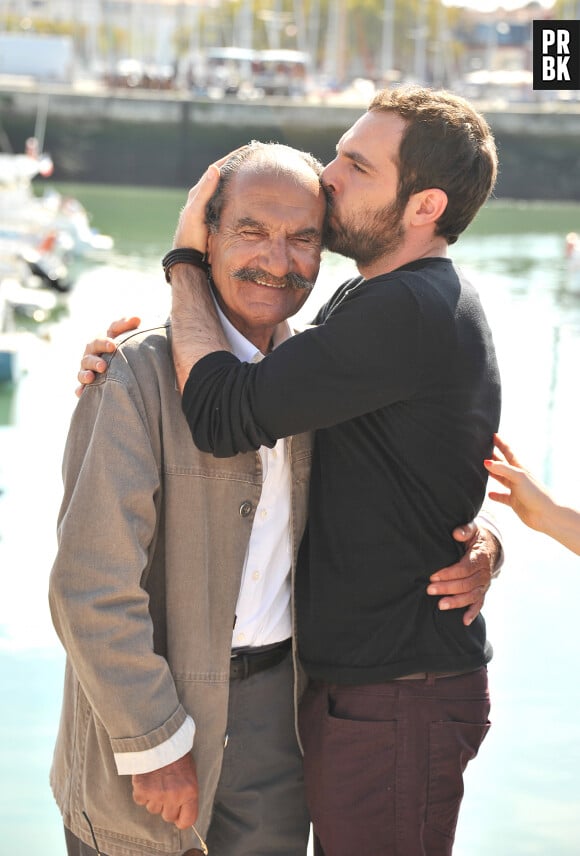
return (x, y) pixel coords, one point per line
(379, 234)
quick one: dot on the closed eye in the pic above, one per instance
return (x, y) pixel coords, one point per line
(357, 167)
(250, 233)
(307, 239)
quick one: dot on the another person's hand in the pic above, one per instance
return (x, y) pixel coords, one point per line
(528, 497)
(531, 500)
(91, 362)
(466, 583)
(171, 792)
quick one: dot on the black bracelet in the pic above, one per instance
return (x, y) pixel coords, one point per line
(187, 256)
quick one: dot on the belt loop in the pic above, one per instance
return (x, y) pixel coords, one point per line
(246, 661)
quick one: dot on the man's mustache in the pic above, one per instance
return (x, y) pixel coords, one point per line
(261, 277)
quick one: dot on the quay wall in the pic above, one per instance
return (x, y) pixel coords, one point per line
(166, 139)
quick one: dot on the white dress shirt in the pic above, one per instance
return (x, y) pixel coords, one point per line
(263, 609)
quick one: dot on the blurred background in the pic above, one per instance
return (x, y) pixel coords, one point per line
(146, 91)
(109, 111)
(253, 48)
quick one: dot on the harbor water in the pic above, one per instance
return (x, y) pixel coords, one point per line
(523, 791)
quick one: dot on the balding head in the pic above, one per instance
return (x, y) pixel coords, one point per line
(261, 159)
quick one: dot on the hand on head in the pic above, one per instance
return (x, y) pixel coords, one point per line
(191, 227)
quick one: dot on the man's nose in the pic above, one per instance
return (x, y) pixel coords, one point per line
(277, 259)
(329, 177)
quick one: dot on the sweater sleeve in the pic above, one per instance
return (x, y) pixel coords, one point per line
(364, 356)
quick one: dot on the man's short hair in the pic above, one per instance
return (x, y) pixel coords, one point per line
(446, 144)
(259, 157)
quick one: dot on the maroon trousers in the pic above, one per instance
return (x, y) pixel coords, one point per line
(383, 763)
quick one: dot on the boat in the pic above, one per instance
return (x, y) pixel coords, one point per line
(35, 263)
(39, 235)
(35, 304)
(52, 216)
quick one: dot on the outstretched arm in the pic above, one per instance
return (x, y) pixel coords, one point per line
(531, 500)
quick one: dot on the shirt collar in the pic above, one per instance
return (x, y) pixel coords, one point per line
(241, 347)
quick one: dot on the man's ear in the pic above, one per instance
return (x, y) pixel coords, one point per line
(427, 206)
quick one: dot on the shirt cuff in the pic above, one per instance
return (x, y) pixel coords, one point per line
(131, 763)
(486, 520)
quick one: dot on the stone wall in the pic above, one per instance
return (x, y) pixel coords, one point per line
(167, 139)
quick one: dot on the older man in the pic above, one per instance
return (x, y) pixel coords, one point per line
(173, 603)
(400, 380)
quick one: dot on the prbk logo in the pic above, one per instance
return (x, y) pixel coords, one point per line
(556, 54)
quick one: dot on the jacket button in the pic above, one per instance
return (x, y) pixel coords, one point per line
(245, 508)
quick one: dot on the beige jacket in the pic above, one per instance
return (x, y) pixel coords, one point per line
(152, 539)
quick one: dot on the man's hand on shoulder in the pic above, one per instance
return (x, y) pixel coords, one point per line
(92, 363)
(466, 583)
(171, 791)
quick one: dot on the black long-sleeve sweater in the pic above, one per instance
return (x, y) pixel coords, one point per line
(400, 381)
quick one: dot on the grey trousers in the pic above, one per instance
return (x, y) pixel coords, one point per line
(259, 806)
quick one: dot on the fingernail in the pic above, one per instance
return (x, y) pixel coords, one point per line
(443, 604)
(101, 365)
(487, 462)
